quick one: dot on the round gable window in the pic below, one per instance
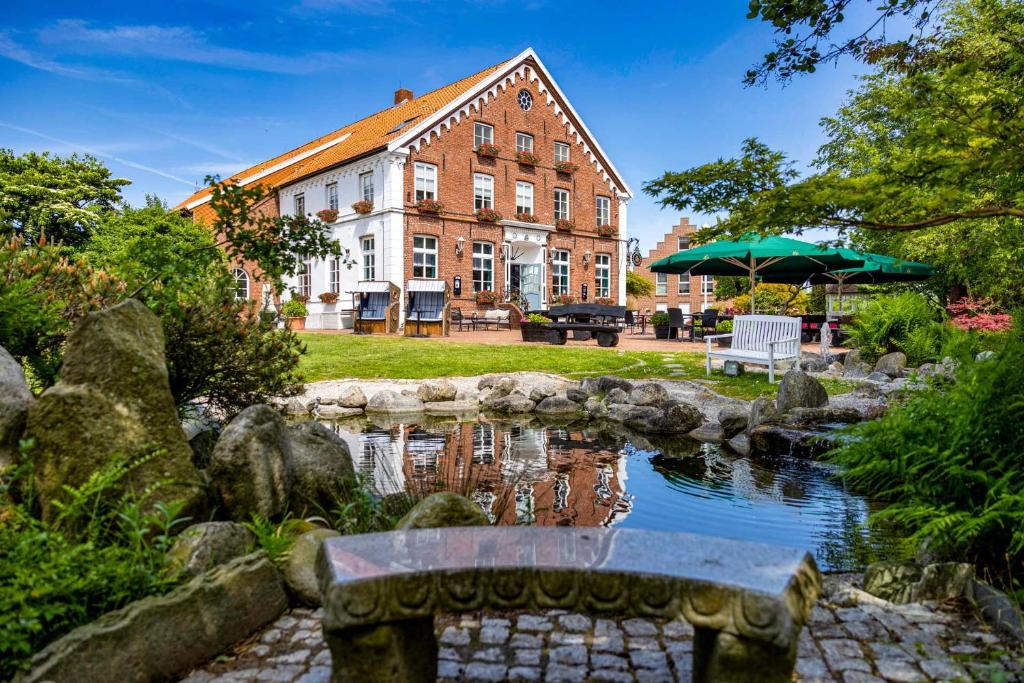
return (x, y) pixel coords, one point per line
(525, 100)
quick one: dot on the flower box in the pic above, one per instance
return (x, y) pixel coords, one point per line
(604, 301)
(564, 224)
(486, 296)
(362, 206)
(430, 206)
(563, 299)
(526, 217)
(329, 298)
(566, 167)
(606, 230)
(487, 216)
(488, 151)
(327, 215)
(527, 158)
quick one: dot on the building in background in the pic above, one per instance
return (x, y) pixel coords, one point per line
(690, 293)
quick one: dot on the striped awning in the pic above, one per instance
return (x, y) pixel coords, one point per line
(426, 285)
(367, 286)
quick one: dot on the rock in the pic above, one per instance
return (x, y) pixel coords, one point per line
(249, 469)
(602, 385)
(451, 407)
(740, 443)
(15, 399)
(388, 401)
(856, 371)
(556, 405)
(162, 638)
(902, 582)
(595, 407)
(836, 368)
(998, 610)
(510, 404)
(813, 365)
(321, 469)
(298, 406)
(489, 381)
(435, 390)
(866, 390)
(332, 412)
(616, 395)
(113, 401)
(679, 418)
(811, 417)
(709, 431)
(984, 356)
(576, 395)
(944, 581)
(878, 377)
(542, 391)
(202, 547)
(852, 358)
(300, 566)
(773, 439)
(351, 397)
(649, 394)
(443, 510)
(624, 412)
(891, 364)
(733, 420)
(800, 390)
(762, 410)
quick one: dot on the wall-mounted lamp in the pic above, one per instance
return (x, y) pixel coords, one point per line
(586, 258)
(460, 244)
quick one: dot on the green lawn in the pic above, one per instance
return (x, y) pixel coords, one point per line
(337, 356)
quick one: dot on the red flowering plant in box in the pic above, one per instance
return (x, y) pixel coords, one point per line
(526, 217)
(563, 299)
(980, 315)
(486, 149)
(605, 230)
(301, 298)
(566, 167)
(564, 224)
(362, 206)
(604, 301)
(487, 216)
(327, 215)
(429, 206)
(527, 158)
(329, 298)
(486, 296)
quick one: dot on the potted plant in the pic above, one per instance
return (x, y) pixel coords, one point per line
(329, 298)
(533, 329)
(564, 224)
(526, 217)
(327, 215)
(295, 313)
(430, 206)
(487, 216)
(527, 158)
(362, 206)
(566, 167)
(488, 150)
(563, 299)
(487, 297)
(606, 230)
(604, 301)
(300, 297)
(724, 327)
(659, 321)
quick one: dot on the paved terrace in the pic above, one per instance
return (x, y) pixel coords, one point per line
(869, 643)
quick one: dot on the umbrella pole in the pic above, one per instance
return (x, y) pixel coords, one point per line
(753, 284)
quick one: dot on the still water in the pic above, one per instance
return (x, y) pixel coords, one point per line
(531, 473)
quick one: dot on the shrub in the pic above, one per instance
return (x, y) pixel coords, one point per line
(978, 314)
(884, 323)
(660, 319)
(950, 461)
(537, 318)
(724, 326)
(772, 300)
(293, 308)
(637, 285)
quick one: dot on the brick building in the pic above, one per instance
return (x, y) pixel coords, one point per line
(690, 293)
(489, 142)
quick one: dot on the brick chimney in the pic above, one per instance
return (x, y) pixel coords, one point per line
(401, 95)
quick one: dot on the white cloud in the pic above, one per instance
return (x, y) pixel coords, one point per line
(12, 50)
(218, 168)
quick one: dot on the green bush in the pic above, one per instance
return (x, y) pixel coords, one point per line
(724, 327)
(950, 461)
(660, 319)
(293, 308)
(537, 318)
(885, 323)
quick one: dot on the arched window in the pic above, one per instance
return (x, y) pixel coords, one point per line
(241, 284)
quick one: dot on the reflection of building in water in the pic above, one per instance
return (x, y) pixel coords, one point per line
(516, 474)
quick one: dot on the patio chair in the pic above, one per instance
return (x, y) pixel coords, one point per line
(458, 319)
(708, 320)
(677, 321)
(630, 322)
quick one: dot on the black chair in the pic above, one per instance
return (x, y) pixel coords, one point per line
(677, 321)
(708, 320)
(457, 318)
(630, 322)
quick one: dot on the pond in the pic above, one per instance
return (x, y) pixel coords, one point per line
(599, 475)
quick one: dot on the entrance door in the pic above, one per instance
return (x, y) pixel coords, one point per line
(530, 284)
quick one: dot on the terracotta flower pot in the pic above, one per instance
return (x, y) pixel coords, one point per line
(295, 324)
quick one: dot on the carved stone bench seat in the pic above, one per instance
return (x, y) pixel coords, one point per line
(747, 601)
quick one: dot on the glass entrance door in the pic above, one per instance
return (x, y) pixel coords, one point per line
(531, 283)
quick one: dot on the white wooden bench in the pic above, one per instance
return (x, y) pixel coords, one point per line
(759, 339)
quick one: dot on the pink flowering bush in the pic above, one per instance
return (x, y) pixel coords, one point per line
(978, 314)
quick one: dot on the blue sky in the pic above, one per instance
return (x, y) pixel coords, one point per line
(165, 93)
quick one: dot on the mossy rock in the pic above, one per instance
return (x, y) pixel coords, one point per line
(443, 510)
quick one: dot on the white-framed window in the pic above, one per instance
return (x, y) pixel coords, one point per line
(707, 285)
(483, 266)
(300, 205)
(683, 243)
(483, 134)
(604, 210)
(561, 152)
(524, 142)
(366, 246)
(524, 197)
(306, 279)
(425, 180)
(684, 283)
(560, 272)
(561, 204)
(241, 284)
(661, 284)
(366, 186)
(332, 196)
(266, 294)
(336, 274)
(424, 256)
(483, 191)
(602, 276)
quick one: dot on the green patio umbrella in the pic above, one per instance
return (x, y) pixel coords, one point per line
(754, 256)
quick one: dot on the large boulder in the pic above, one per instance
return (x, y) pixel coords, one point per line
(435, 390)
(852, 358)
(249, 468)
(649, 394)
(15, 399)
(202, 547)
(388, 401)
(777, 439)
(826, 415)
(595, 407)
(902, 582)
(733, 420)
(300, 566)
(800, 390)
(593, 386)
(856, 370)
(543, 390)
(892, 364)
(113, 402)
(678, 418)
(813, 364)
(510, 404)
(321, 467)
(762, 410)
(616, 395)
(557, 405)
(577, 395)
(443, 510)
(351, 397)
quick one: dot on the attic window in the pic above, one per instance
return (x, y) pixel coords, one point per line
(401, 125)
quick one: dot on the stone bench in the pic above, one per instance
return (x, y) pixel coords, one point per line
(747, 601)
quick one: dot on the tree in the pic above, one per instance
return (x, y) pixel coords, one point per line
(638, 286)
(61, 198)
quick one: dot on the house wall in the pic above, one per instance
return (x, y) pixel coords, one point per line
(692, 302)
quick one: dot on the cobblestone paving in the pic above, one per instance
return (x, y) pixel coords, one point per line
(862, 644)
